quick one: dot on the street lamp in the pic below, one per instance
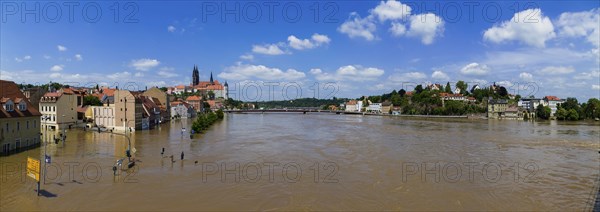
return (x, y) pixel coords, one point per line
(45, 118)
(63, 135)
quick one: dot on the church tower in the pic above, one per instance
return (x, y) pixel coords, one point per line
(195, 76)
(211, 79)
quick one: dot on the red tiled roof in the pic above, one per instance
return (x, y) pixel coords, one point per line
(10, 90)
(193, 98)
(108, 92)
(552, 98)
(450, 95)
(206, 85)
(352, 102)
(82, 109)
(53, 94)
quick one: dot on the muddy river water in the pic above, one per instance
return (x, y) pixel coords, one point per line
(318, 162)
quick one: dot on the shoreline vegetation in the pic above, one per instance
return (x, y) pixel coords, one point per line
(205, 120)
(425, 101)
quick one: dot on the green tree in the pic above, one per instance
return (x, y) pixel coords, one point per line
(448, 88)
(572, 104)
(561, 114)
(502, 91)
(91, 100)
(592, 108)
(211, 95)
(543, 112)
(462, 86)
(573, 115)
(418, 89)
(402, 92)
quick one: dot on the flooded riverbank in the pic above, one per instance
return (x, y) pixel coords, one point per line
(319, 162)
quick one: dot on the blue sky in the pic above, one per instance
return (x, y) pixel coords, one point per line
(343, 49)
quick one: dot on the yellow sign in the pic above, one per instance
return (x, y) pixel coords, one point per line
(33, 168)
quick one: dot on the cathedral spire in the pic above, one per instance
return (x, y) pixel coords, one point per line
(211, 78)
(195, 76)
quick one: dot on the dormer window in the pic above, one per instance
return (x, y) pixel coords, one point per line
(22, 106)
(9, 106)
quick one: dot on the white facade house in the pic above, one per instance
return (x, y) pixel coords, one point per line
(104, 116)
(182, 110)
(552, 102)
(457, 90)
(354, 106)
(60, 109)
(374, 107)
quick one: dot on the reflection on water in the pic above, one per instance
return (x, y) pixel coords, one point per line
(319, 162)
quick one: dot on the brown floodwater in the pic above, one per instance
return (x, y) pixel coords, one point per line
(319, 162)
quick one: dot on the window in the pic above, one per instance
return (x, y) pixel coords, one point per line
(6, 127)
(22, 106)
(34, 125)
(18, 125)
(27, 124)
(9, 106)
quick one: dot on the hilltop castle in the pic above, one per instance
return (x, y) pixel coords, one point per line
(203, 87)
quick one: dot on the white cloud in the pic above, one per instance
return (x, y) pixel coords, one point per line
(439, 75)
(475, 69)
(119, 75)
(505, 83)
(528, 26)
(321, 39)
(144, 64)
(408, 77)
(316, 71)
(527, 77)
(581, 24)
(588, 75)
(536, 57)
(26, 57)
(391, 10)
(356, 26)
(167, 72)
(249, 57)
(555, 70)
(398, 29)
(171, 28)
(68, 77)
(78, 57)
(61, 48)
(315, 41)
(268, 49)
(159, 84)
(349, 73)
(47, 57)
(426, 26)
(595, 87)
(57, 68)
(139, 74)
(245, 71)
